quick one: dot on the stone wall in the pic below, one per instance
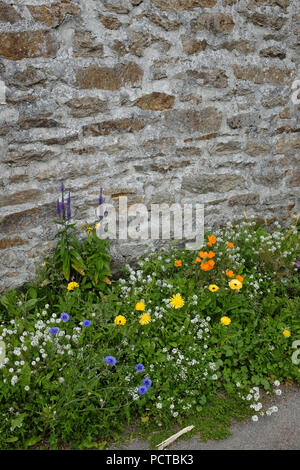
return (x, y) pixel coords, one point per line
(160, 100)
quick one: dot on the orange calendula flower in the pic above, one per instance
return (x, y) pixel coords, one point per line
(210, 254)
(207, 265)
(230, 244)
(240, 278)
(177, 263)
(204, 267)
(211, 240)
(203, 254)
(229, 273)
(198, 260)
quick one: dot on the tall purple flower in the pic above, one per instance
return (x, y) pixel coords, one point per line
(62, 187)
(101, 211)
(101, 197)
(58, 210)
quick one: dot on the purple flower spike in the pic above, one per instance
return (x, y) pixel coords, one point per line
(58, 210)
(62, 187)
(100, 197)
(69, 199)
(69, 213)
(62, 205)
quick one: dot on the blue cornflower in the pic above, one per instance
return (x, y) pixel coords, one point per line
(86, 323)
(64, 316)
(53, 330)
(147, 382)
(140, 367)
(110, 360)
(142, 389)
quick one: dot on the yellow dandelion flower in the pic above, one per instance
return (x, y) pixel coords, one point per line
(213, 288)
(145, 319)
(120, 320)
(72, 285)
(235, 284)
(286, 333)
(177, 301)
(225, 321)
(140, 306)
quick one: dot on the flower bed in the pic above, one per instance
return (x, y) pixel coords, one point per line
(177, 340)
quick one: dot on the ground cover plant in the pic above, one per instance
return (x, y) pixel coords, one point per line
(183, 337)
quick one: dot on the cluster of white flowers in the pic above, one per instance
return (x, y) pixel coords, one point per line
(32, 347)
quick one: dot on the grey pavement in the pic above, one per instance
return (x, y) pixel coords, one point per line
(280, 431)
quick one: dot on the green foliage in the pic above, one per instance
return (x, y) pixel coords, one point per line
(57, 389)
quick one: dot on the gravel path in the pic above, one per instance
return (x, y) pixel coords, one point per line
(280, 431)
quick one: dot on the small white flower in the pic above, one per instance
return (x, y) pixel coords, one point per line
(254, 418)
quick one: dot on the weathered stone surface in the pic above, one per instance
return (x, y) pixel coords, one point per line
(110, 22)
(259, 19)
(181, 5)
(27, 78)
(287, 145)
(60, 140)
(274, 99)
(206, 120)
(27, 44)
(214, 22)
(192, 46)
(27, 219)
(11, 242)
(257, 3)
(248, 199)
(109, 127)
(8, 13)
(215, 77)
(156, 101)
(273, 53)
(285, 114)
(142, 97)
(21, 197)
(190, 97)
(109, 78)
(258, 75)
(88, 106)
(294, 181)
(225, 148)
(25, 157)
(243, 120)
(55, 14)
(256, 149)
(85, 45)
(120, 48)
(164, 168)
(118, 6)
(158, 144)
(28, 123)
(189, 151)
(242, 46)
(208, 183)
(162, 22)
